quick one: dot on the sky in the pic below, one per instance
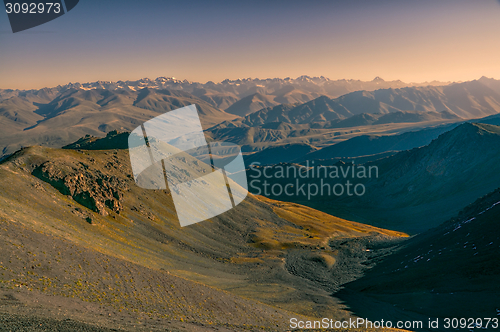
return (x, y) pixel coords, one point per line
(111, 40)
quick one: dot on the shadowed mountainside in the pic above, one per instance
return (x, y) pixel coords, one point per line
(423, 187)
(366, 145)
(250, 104)
(416, 189)
(448, 271)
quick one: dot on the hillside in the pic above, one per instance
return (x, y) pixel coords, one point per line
(81, 241)
(17, 113)
(365, 145)
(492, 119)
(415, 116)
(220, 100)
(423, 187)
(451, 269)
(416, 189)
(290, 94)
(279, 154)
(250, 104)
(74, 113)
(410, 104)
(277, 113)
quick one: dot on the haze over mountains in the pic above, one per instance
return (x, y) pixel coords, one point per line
(75, 110)
(104, 244)
(41, 118)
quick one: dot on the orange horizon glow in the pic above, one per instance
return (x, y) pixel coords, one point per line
(446, 41)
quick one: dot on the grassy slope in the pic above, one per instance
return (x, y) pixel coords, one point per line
(229, 271)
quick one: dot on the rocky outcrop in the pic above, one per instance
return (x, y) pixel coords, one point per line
(89, 187)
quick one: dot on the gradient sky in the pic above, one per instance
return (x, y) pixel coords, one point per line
(415, 41)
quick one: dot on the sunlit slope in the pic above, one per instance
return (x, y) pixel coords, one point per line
(310, 227)
(81, 211)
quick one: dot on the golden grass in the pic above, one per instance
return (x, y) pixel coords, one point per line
(315, 227)
(244, 260)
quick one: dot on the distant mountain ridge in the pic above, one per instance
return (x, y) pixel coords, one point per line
(468, 100)
(45, 119)
(225, 93)
(238, 86)
(420, 188)
(45, 116)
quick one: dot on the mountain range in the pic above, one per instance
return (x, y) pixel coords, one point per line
(75, 110)
(326, 123)
(282, 88)
(84, 247)
(472, 99)
(416, 189)
(56, 120)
